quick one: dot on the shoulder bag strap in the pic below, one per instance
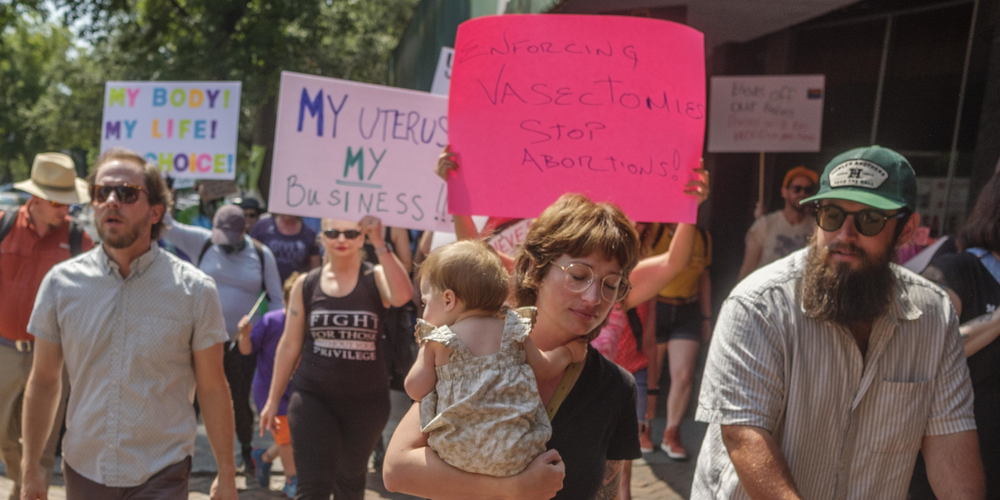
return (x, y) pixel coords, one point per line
(260, 255)
(989, 261)
(308, 290)
(75, 238)
(6, 223)
(635, 324)
(208, 244)
(563, 389)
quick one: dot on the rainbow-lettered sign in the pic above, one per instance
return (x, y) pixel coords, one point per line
(186, 129)
(612, 107)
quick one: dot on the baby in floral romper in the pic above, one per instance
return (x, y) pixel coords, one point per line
(475, 373)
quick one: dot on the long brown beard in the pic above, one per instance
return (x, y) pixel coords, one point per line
(833, 292)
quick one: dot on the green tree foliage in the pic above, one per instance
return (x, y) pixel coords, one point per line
(50, 93)
(247, 40)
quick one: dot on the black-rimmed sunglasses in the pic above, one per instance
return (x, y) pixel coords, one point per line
(335, 233)
(126, 193)
(803, 189)
(868, 222)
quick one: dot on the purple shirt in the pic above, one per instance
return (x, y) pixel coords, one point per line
(291, 252)
(264, 341)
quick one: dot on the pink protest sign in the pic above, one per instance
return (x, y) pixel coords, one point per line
(541, 105)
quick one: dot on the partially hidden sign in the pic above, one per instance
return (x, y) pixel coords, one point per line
(612, 107)
(344, 150)
(185, 129)
(779, 113)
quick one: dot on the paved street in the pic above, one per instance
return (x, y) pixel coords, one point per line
(654, 477)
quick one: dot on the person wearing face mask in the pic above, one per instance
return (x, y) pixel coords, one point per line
(242, 269)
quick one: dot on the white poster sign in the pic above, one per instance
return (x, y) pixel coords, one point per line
(186, 129)
(346, 149)
(751, 114)
(442, 77)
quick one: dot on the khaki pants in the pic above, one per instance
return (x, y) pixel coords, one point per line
(14, 370)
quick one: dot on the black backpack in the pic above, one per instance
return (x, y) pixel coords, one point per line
(260, 255)
(75, 232)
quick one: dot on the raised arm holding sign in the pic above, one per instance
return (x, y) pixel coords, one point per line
(611, 107)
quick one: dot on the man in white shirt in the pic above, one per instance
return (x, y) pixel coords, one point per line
(139, 332)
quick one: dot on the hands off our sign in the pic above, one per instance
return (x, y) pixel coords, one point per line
(612, 107)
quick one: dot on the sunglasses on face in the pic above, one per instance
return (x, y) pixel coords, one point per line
(125, 193)
(335, 233)
(802, 189)
(868, 222)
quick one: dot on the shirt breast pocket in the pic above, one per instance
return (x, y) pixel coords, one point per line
(900, 416)
(165, 341)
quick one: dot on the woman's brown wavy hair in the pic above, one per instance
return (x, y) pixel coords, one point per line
(576, 226)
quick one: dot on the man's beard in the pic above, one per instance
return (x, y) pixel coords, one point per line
(128, 235)
(834, 292)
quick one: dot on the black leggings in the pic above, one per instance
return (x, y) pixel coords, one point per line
(239, 373)
(332, 439)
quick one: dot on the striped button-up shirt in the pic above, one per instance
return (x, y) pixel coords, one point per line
(849, 425)
(128, 346)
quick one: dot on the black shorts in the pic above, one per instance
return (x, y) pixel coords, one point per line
(678, 322)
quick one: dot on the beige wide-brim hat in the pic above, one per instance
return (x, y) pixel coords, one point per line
(53, 178)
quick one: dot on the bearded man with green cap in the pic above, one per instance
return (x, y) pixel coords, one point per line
(829, 369)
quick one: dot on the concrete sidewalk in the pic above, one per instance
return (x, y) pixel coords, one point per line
(654, 477)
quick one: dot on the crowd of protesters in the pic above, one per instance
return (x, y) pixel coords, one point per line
(831, 372)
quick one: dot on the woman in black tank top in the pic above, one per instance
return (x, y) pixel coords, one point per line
(335, 321)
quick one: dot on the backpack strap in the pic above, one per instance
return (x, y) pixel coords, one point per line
(208, 244)
(75, 232)
(75, 238)
(988, 260)
(6, 223)
(260, 255)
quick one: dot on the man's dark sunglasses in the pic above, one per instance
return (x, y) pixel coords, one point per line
(800, 189)
(868, 222)
(334, 233)
(126, 193)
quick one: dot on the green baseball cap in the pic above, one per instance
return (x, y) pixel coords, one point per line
(876, 176)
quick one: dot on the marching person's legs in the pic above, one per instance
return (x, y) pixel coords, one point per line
(682, 355)
(313, 428)
(239, 373)
(14, 369)
(361, 423)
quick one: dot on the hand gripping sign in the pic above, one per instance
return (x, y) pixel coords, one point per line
(612, 107)
(345, 150)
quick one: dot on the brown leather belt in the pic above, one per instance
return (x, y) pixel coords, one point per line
(19, 345)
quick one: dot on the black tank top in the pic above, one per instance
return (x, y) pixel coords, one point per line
(342, 351)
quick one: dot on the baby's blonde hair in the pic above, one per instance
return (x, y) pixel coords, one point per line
(470, 268)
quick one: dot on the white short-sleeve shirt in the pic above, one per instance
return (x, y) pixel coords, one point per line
(127, 345)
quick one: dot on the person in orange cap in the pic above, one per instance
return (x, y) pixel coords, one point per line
(784, 231)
